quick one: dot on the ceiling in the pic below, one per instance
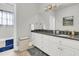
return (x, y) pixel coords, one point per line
(43, 6)
(61, 5)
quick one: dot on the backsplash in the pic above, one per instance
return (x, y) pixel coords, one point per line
(57, 31)
(67, 32)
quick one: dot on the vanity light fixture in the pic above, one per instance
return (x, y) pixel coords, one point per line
(51, 7)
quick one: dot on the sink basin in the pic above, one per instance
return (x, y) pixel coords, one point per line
(63, 35)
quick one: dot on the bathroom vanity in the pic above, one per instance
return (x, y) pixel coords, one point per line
(55, 44)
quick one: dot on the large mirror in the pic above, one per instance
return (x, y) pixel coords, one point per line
(68, 21)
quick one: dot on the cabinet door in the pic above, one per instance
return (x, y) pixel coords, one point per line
(68, 47)
(70, 43)
(33, 37)
(46, 43)
(67, 51)
(49, 46)
(76, 52)
(36, 37)
(63, 49)
(53, 49)
(39, 41)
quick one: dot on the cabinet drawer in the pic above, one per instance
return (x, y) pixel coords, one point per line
(70, 43)
(67, 51)
(50, 48)
(67, 42)
(54, 50)
(76, 52)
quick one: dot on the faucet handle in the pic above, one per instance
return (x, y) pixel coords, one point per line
(73, 33)
(69, 33)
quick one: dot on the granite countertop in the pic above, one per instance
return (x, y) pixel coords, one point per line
(50, 32)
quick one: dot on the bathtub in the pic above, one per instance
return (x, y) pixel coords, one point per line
(6, 44)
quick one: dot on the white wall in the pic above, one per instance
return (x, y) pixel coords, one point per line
(44, 19)
(7, 7)
(47, 17)
(27, 14)
(6, 31)
(52, 21)
(68, 11)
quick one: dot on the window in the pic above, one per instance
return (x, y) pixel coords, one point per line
(4, 21)
(10, 19)
(6, 18)
(0, 17)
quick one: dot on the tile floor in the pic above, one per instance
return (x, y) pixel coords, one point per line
(13, 53)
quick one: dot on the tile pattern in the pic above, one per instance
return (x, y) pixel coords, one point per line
(15, 53)
(36, 52)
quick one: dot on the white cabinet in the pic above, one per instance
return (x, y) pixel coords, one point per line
(70, 43)
(53, 49)
(66, 51)
(69, 51)
(45, 43)
(49, 46)
(56, 46)
(68, 47)
(36, 39)
(76, 52)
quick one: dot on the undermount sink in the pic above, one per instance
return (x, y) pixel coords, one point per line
(63, 35)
